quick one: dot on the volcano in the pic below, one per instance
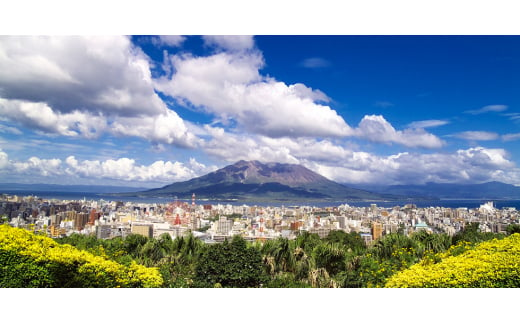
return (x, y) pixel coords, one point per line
(256, 181)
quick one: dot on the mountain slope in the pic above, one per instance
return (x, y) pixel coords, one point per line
(254, 180)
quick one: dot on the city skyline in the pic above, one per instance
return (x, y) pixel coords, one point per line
(151, 110)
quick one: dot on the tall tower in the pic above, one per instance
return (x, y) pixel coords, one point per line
(195, 221)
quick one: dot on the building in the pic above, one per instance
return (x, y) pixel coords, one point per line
(103, 231)
(224, 225)
(143, 229)
(367, 238)
(377, 230)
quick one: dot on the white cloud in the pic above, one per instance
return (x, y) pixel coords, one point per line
(513, 116)
(428, 123)
(474, 165)
(383, 104)
(230, 86)
(476, 135)
(488, 108)
(39, 116)
(375, 128)
(11, 130)
(342, 164)
(99, 74)
(230, 42)
(169, 40)
(511, 136)
(82, 86)
(315, 63)
(34, 166)
(126, 169)
(122, 170)
(167, 128)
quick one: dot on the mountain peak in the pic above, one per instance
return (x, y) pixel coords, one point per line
(256, 180)
(257, 172)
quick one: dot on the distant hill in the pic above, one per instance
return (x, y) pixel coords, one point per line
(253, 180)
(490, 190)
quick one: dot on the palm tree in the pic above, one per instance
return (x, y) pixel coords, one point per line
(330, 256)
(279, 253)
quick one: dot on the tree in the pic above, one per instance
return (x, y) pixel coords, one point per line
(230, 264)
(133, 243)
(432, 242)
(330, 256)
(471, 233)
(307, 241)
(512, 229)
(282, 254)
(352, 240)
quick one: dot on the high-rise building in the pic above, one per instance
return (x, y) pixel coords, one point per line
(224, 225)
(377, 230)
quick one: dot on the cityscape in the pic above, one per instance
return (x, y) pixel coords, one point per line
(215, 223)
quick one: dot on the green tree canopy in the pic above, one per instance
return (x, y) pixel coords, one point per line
(230, 264)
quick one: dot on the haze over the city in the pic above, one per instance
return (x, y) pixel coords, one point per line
(147, 111)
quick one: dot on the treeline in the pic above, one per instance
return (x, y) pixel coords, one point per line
(338, 260)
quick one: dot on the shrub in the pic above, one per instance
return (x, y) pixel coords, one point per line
(55, 265)
(492, 264)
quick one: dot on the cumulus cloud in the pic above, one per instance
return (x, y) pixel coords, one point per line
(121, 170)
(476, 135)
(39, 116)
(230, 42)
(101, 74)
(34, 166)
(230, 86)
(85, 86)
(167, 128)
(428, 123)
(488, 108)
(474, 165)
(126, 169)
(337, 162)
(375, 128)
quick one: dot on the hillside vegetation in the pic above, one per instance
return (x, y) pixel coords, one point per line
(469, 259)
(30, 260)
(494, 263)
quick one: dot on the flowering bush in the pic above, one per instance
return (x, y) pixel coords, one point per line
(65, 266)
(494, 263)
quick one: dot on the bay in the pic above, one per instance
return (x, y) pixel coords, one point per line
(447, 203)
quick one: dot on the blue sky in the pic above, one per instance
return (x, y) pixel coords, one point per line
(150, 110)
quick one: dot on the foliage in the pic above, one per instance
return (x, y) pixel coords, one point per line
(491, 264)
(18, 271)
(230, 264)
(66, 266)
(307, 241)
(471, 233)
(513, 228)
(352, 240)
(339, 260)
(330, 256)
